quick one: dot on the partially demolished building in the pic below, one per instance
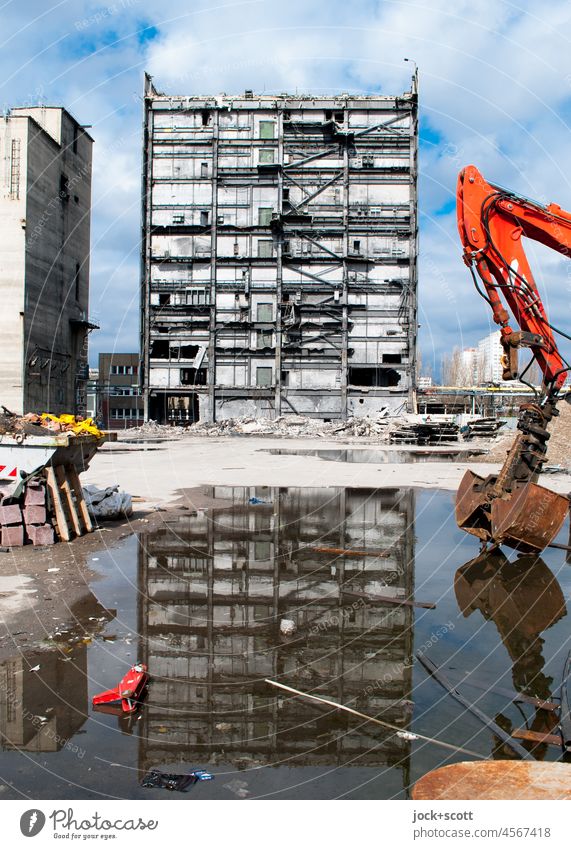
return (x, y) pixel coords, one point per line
(279, 255)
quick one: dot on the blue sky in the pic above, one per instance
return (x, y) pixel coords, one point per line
(495, 90)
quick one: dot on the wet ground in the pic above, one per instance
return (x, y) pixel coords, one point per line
(375, 455)
(208, 602)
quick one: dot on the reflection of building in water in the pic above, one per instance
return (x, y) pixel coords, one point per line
(213, 591)
(43, 693)
(41, 710)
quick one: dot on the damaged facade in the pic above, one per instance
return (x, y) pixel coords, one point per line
(214, 595)
(279, 255)
(45, 214)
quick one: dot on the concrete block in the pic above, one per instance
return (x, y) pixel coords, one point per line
(13, 536)
(35, 494)
(34, 514)
(10, 514)
(40, 534)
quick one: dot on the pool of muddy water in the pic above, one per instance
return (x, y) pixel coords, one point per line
(375, 455)
(284, 589)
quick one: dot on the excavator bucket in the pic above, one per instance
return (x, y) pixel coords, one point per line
(471, 501)
(526, 519)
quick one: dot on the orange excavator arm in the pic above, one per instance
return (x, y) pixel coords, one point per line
(491, 223)
(511, 507)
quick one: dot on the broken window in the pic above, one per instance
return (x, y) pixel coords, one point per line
(264, 339)
(373, 376)
(356, 246)
(266, 156)
(265, 215)
(204, 218)
(267, 129)
(265, 312)
(188, 352)
(328, 114)
(265, 247)
(205, 117)
(204, 169)
(285, 378)
(263, 376)
(160, 349)
(339, 117)
(392, 358)
(285, 194)
(164, 298)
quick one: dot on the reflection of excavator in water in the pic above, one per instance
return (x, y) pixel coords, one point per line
(511, 508)
(523, 599)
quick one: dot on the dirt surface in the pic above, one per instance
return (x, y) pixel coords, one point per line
(48, 590)
(558, 449)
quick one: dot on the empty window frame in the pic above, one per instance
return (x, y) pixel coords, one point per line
(263, 376)
(204, 169)
(204, 218)
(264, 339)
(267, 129)
(265, 215)
(265, 247)
(266, 156)
(265, 312)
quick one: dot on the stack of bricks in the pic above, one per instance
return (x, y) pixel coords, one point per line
(38, 530)
(26, 519)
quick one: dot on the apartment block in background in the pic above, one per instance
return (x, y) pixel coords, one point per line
(279, 255)
(45, 212)
(120, 403)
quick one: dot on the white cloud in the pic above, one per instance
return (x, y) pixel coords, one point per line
(495, 89)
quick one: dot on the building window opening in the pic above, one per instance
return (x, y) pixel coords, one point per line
(76, 281)
(204, 169)
(267, 129)
(64, 194)
(265, 247)
(264, 339)
(265, 312)
(267, 156)
(263, 376)
(392, 358)
(160, 349)
(164, 299)
(373, 376)
(204, 218)
(205, 114)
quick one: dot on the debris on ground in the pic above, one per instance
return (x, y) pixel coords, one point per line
(559, 445)
(293, 426)
(425, 433)
(174, 782)
(108, 503)
(153, 428)
(482, 428)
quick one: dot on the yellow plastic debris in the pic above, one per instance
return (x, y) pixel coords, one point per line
(85, 426)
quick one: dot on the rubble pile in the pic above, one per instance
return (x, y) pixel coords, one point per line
(33, 424)
(425, 433)
(558, 447)
(482, 429)
(24, 515)
(293, 426)
(153, 428)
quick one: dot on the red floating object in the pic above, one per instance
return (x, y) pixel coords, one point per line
(128, 691)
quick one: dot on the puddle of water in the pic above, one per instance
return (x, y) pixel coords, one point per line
(363, 455)
(201, 602)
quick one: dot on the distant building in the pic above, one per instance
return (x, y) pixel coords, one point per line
(469, 367)
(92, 402)
(490, 353)
(120, 399)
(45, 212)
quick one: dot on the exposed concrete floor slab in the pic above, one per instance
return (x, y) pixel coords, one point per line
(159, 476)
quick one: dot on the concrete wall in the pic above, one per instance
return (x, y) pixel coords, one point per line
(45, 265)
